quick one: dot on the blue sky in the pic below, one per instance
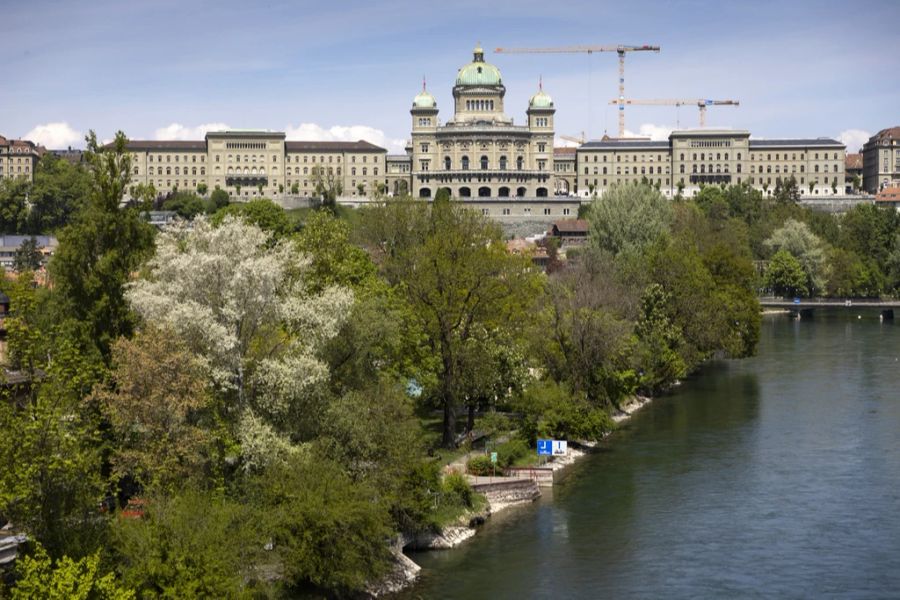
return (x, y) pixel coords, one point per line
(345, 70)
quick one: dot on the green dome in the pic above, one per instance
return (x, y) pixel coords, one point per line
(541, 100)
(424, 100)
(479, 72)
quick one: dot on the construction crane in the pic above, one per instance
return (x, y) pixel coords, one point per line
(571, 138)
(700, 103)
(618, 49)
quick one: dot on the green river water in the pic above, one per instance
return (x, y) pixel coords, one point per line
(771, 477)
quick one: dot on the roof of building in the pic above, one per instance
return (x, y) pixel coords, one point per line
(163, 145)
(15, 241)
(799, 142)
(357, 146)
(572, 226)
(853, 161)
(398, 158)
(424, 99)
(891, 194)
(564, 151)
(541, 100)
(891, 133)
(479, 72)
(612, 143)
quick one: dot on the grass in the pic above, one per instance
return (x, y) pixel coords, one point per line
(445, 516)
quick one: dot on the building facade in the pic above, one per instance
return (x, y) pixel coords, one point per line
(18, 158)
(881, 160)
(249, 163)
(480, 152)
(690, 159)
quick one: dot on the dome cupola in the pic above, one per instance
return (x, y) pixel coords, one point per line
(479, 72)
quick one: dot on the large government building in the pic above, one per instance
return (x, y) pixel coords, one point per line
(250, 164)
(482, 156)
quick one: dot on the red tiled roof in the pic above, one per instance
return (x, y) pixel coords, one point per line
(564, 150)
(572, 226)
(891, 194)
(889, 133)
(853, 161)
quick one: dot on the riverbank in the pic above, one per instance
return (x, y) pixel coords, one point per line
(501, 493)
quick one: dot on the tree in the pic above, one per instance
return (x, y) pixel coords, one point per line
(157, 402)
(295, 188)
(327, 186)
(629, 218)
(787, 190)
(28, 256)
(795, 237)
(261, 212)
(280, 188)
(452, 267)
(219, 199)
(65, 579)
(186, 204)
(240, 300)
(361, 188)
(202, 188)
(335, 261)
(13, 204)
(102, 247)
(193, 545)
(60, 190)
(259, 187)
(785, 275)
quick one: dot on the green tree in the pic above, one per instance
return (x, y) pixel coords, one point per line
(629, 218)
(796, 237)
(28, 256)
(158, 405)
(453, 269)
(60, 190)
(295, 188)
(101, 248)
(193, 545)
(65, 579)
(327, 186)
(261, 212)
(218, 199)
(14, 204)
(335, 261)
(202, 188)
(785, 275)
(660, 341)
(188, 205)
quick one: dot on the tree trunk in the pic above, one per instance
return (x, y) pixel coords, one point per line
(449, 438)
(470, 423)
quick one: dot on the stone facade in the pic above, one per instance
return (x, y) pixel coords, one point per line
(480, 151)
(250, 164)
(18, 158)
(692, 158)
(881, 160)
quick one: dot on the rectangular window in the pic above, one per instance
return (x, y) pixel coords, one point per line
(546, 211)
(566, 211)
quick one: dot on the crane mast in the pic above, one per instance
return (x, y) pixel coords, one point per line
(619, 49)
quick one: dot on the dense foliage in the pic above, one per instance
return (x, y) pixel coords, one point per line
(244, 405)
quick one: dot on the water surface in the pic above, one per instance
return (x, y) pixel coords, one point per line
(771, 477)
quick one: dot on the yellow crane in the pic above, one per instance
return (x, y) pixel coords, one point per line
(700, 103)
(618, 49)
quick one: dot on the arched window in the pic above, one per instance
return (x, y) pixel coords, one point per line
(682, 168)
(503, 164)
(520, 164)
(446, 163)
(520, 192)
(484, 163)
(353, 171)
(503, 192)
(484, 192)
(465, 192)
(424, 193)
(465, 163)
(135, 170)
(542, 192)
(193, 170)
(168, 170)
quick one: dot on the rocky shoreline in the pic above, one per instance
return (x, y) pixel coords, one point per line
(500, 495)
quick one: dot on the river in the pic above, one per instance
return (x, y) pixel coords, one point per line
(776, 476)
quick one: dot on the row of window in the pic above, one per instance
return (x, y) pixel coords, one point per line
(19, 161)
(159, 158)
(644, 170)
(159, 171)
(479, 105)
(245, 145)
(526, 210)
(18, 170)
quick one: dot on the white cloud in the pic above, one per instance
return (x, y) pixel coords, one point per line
(177, 131)
(854, 139)
(54, 135)
(344, 133)
(654, 132)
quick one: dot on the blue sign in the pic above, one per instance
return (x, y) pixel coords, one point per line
(545, 447)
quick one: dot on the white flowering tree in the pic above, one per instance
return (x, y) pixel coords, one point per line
(238, 299)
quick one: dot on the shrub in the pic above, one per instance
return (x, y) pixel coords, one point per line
(510, 452)
(552, 411)
(480, 465)
(456, 489)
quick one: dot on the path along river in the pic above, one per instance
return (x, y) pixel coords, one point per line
(771, 477)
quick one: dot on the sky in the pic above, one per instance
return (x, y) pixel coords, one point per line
(347, 70)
